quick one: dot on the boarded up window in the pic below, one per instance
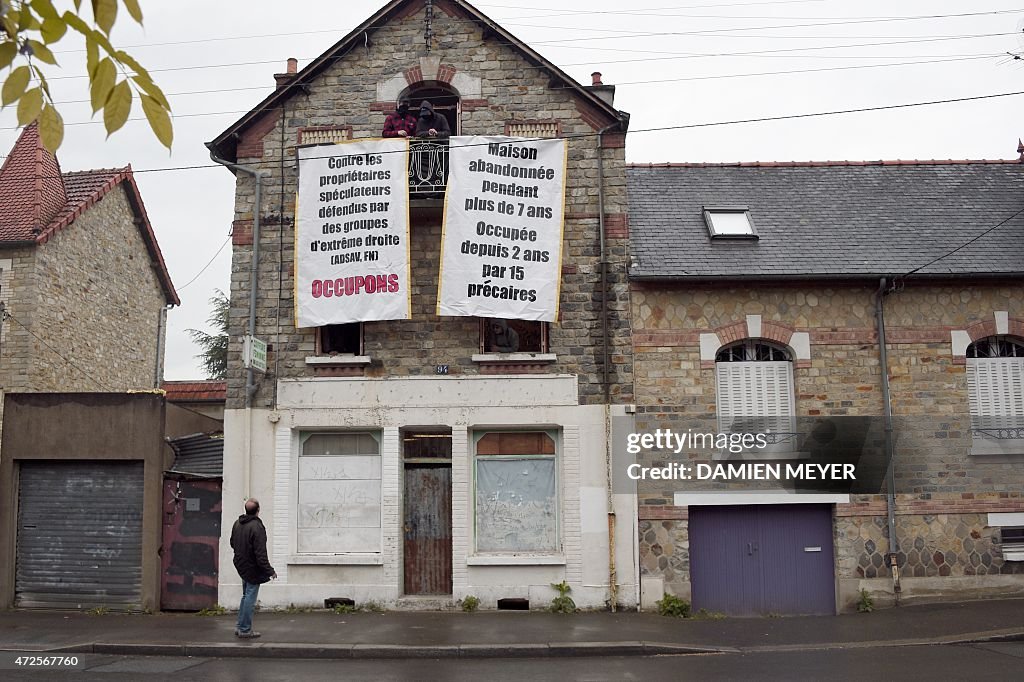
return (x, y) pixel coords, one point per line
(339, 494)
(516, 493)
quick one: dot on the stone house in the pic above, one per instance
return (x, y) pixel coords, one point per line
(83, 283)
(760, 291)
(85, 293)
(375, 446)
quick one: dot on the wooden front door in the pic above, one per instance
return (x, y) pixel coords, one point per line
(428, 528)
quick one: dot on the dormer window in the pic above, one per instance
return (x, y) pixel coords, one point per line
(729, 222)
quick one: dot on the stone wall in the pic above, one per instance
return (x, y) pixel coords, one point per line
(500, 86)
(97, 303)
(944, 492)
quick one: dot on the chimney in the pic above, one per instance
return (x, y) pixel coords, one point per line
(605, 92)
(284, 79)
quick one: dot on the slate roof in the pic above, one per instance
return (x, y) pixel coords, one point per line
(37, 200)
(828, 219)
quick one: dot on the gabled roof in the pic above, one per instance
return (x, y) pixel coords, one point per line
(31, 189)
(195, 391)
(37, 200)
(829, 219)
(225, 144)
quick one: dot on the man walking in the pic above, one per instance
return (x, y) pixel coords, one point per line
(249, 540)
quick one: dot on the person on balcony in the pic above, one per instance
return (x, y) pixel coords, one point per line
(400, 123)
(430, 124)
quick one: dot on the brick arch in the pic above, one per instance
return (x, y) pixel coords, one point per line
(1000, 324)
(754, 327)
(425, 71)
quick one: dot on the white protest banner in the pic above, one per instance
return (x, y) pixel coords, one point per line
(352, 233)
(501, 249)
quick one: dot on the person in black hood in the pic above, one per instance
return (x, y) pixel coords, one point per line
(431, 124)
(249, 540)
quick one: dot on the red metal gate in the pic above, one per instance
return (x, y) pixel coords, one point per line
(428, 529)
(191, 542)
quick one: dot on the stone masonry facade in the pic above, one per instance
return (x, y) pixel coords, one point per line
(501, 87)
(89, 294)
(944, 493)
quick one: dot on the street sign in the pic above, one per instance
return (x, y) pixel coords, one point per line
(254, 353)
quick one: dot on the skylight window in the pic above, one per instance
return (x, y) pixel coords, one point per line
(729, 222)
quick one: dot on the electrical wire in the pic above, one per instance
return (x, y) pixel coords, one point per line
(182, 287)
(964, 245)
(8, 316)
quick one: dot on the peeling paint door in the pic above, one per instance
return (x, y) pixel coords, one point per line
(428, 529)
(190, 548)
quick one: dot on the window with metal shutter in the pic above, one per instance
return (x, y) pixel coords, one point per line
(995, 387)
(755, 396)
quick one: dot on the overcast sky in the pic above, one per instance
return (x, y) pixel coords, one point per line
(674, 64)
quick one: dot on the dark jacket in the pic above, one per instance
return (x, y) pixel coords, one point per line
(433, 120)
(249, 540)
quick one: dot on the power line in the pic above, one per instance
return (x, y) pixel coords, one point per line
(182, 287)
(646, 82)
(7, 316)
(684, 126)
(964, 245)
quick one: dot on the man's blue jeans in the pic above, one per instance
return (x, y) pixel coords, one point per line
(250, 591)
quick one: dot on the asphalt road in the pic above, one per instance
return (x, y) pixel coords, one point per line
(948, 662)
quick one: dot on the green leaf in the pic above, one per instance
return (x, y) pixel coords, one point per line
(53, 29)
(29, 106)
(25, 18)
(78, 5)
(101, 83)
(105, 12)
(130, 62)
(92, 55)
(41, 52)
(147, 85)
(42, 81)
(133, 9)
(8, 51)
(158, 119)
(117, 108)
(51, 128)
(45, 9)
(74, 21)
(14, 86)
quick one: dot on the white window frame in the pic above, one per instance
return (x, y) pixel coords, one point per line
(720, 231)
(995, 394)
(557, 458)
(322, 556)
(759, 399)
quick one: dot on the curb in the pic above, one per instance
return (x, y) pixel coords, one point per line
(394, 651)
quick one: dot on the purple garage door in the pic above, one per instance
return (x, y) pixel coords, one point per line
(762, 559)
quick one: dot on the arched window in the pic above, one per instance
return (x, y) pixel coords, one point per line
(995, 389)
(755, 391)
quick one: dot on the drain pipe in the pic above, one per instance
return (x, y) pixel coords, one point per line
(250, 377)
(613, 577)
(890, 498)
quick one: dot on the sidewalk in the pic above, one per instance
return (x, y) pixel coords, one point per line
(501, 634)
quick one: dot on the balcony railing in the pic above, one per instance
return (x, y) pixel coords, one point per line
(428, 167)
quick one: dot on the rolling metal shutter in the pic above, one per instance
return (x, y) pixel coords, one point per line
(996, 390)
(79, 535)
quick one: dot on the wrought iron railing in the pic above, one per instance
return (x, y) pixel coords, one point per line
(428, 167)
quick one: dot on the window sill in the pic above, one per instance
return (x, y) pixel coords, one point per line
(338, 360)
(336, 560)
(515, 560)
(983, 447)
(514, 358)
